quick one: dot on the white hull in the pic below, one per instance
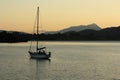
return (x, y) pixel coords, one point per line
(39, 55)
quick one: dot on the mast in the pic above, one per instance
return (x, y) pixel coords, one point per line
(37, 27)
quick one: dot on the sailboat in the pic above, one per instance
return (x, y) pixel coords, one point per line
(40, 52)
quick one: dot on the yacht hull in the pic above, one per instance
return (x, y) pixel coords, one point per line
(38, 55)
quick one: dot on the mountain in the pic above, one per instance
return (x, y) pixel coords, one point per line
(77, 28)
(111, 33)
(81, 28)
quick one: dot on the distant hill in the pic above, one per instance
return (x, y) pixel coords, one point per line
(77, 28)
(69, 34)
(81, 28)
(111, 33)
(14, 36)
(13, 32)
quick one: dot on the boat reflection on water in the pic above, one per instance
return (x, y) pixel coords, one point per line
(40, 60)
(39, 68)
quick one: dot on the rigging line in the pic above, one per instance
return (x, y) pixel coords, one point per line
(37, 2)
(35, 21)
(40, 16)
(34, 26)
(40, 26)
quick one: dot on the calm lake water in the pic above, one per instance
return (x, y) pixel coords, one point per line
(69, 61)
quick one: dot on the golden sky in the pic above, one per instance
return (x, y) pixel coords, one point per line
(19, 15)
